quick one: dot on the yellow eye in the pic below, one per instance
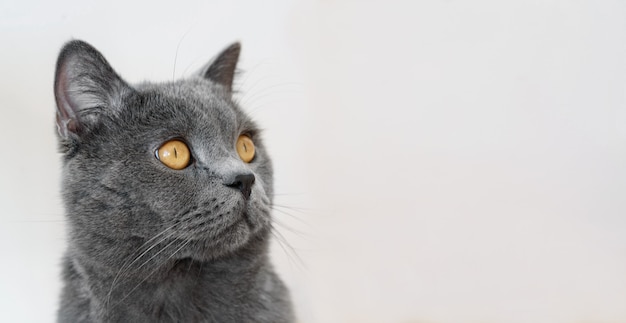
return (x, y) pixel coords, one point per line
(174, 154)
(245, 148)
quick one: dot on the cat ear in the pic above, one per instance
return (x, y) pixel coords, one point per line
(222, 69)
(85, 87)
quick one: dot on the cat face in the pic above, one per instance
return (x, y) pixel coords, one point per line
(158, 165)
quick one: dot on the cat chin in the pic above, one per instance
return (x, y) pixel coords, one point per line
(242, 239)
(229, 241)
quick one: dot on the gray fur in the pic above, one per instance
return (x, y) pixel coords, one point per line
(152, 244)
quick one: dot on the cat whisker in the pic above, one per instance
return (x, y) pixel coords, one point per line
(190, 65)
(253, 89)
(251, 71)
(128, 265)
(288, 194)
(153, 271)
(291, 254)
(159, 252)
(189, 267)
(249, 74)
(251, 101)
(176, 55)
(290, 215)
(201, 266)
(299, 233)
(264, 92)
(36, 221)
(293, 208)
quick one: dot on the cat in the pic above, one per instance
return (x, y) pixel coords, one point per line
(167, 190)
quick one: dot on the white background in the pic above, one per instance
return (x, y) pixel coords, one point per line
(436, 161)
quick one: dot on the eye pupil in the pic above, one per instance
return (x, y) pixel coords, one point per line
(174, 154)
(245, 148)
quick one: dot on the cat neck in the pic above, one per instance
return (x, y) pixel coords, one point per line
(196, 287)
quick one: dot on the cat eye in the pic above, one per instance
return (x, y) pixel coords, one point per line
(245, 148)
(174, 154)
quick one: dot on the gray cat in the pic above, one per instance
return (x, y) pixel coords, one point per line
(168, 191)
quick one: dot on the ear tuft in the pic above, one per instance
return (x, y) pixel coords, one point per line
(222, 69)
(85, 87)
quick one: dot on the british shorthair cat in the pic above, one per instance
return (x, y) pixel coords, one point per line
(168, 190)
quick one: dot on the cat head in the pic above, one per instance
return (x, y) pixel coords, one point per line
(175, 167)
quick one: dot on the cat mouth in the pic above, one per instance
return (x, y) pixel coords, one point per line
(244, 225)
(217, 227)
(217, 244)
(247, 219)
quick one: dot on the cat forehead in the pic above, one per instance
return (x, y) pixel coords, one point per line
(198, 99)
(196, 86)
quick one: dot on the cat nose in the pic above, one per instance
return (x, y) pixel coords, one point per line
(244, 183)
